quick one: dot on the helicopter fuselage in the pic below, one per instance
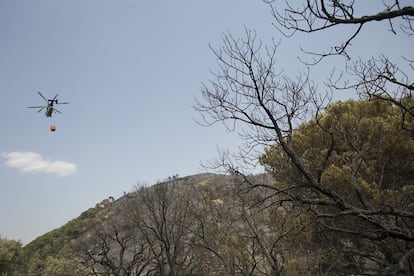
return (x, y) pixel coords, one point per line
(49, 111)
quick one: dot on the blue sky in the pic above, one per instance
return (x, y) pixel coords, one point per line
(130, 70)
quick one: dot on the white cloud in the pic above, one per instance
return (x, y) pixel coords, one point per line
(31, 162)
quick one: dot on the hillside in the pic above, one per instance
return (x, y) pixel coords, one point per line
(60, 250)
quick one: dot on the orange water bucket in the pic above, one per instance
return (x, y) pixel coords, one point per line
(52, 128)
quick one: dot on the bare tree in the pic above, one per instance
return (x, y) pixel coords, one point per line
(247, 89)
(240, 231)
(114, 249)
(269, 106)
(271, 230)
(162, 216)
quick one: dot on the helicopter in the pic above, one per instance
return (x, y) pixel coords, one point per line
(49, 107)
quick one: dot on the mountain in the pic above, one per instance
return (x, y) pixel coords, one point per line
(168, 215)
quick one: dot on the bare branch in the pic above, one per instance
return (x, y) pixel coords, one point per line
(315, 16)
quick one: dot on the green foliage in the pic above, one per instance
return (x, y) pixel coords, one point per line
(63, 267)
(360, 155)
(9, 253)
(358, 150)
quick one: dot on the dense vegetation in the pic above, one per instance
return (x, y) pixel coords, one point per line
(362, 162)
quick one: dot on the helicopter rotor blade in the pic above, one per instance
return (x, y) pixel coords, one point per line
(54, 99)
(36, 106)
(42, 96)
(54, 109)
(63, 103)
(41, 109)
